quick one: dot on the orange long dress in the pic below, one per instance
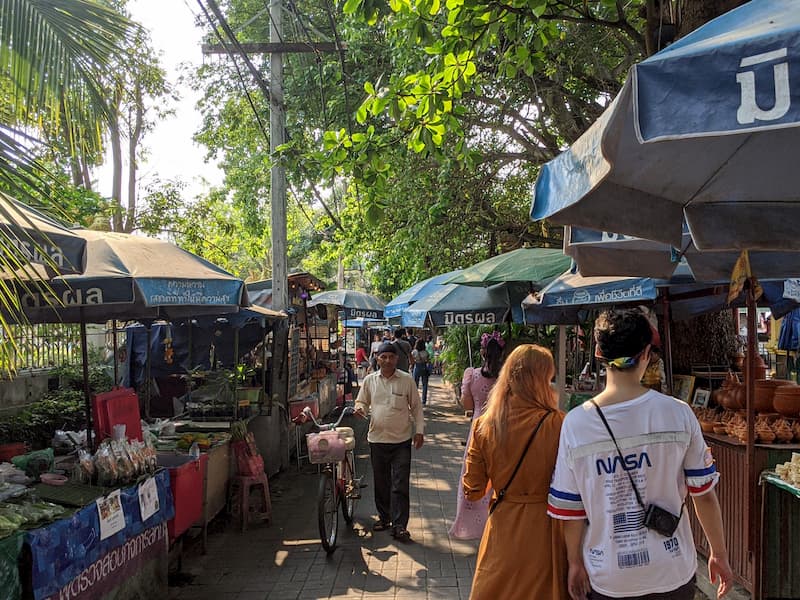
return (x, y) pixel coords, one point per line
(522, 553)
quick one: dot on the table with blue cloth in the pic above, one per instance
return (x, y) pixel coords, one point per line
(69, 560)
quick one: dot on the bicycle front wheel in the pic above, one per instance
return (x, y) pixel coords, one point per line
(327, 510)
(350, 487)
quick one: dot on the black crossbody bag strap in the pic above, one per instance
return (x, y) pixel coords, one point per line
(619, 452)
(502, 493)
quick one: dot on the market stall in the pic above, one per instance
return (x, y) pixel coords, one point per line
(115, 544)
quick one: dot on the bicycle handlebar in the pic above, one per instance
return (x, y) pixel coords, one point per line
(348, 410)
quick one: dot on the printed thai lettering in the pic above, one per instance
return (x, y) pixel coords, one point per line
(114, 560)
(749, 111)
(68, 297)
(631, 462)
(451, 318)
(39, 253)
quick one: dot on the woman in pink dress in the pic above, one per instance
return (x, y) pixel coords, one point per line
(475, 385)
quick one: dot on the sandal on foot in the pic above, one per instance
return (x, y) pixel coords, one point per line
(380, 526)
(401, 534)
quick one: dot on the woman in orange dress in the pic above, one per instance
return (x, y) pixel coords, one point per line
(522, 553)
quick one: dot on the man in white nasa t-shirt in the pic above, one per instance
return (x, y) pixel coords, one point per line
(626, 462)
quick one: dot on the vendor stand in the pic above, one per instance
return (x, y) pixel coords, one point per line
(117, 545)
(780, 537)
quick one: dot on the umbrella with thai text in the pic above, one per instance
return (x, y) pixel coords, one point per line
(703, 132)
(133, 277)
(354, 304)
(29, 236)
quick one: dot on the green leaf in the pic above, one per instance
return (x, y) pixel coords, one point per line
(351, 6)
(368, 88)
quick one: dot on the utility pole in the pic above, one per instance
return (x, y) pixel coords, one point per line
(277, 187)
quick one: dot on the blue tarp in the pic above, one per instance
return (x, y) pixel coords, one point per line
(63, 549)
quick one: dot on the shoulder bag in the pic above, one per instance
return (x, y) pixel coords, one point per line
(502, 493)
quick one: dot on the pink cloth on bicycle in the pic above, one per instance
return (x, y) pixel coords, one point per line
(471, 516)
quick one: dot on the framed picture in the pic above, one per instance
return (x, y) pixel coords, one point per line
(682, 387)
(701, 397)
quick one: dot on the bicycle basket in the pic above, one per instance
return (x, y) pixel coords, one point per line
(325, 447)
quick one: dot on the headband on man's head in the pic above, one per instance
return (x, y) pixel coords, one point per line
(621, 362)
(495, 335)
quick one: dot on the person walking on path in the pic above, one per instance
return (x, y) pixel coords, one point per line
(475, 386)
(391, 398)
(513, 448)
(626, 461)
(422, 368)
(404, 358)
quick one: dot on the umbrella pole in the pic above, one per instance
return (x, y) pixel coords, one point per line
(752, 349)
(147, 371)
(469, 345)
(561, 379)
(86, 393)
(116, 357)
(236, 373)
(667, 342)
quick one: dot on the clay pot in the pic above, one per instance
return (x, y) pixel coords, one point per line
(787, 401)
(765, 392)
(760, 371)
(737, 398)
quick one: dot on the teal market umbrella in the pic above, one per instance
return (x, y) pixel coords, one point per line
(536, 266)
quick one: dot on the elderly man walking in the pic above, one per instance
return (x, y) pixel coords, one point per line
(391, 398)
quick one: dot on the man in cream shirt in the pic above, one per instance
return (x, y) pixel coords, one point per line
(392, 400)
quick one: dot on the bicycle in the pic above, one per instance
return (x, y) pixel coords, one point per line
(338, 482)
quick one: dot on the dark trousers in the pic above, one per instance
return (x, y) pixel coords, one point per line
(391, 473)
(685, 592)
(421, 372)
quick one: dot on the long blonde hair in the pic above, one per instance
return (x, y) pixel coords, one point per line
(526, 375)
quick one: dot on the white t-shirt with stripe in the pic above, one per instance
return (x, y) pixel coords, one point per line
(664, 451)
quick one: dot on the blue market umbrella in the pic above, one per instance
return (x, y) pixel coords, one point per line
(395, 307)
(703, 132)
(29, 236)
(601, 253)
(354, 304)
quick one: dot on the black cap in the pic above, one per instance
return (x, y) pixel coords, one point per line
(386, 347)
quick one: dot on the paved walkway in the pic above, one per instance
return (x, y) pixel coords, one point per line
(285, 560)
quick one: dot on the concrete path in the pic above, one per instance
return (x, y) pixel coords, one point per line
(285, 561)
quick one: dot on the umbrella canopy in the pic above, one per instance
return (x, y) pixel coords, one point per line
(573, 293)
(453, 304)
(702, 132)
(132, 277)
(355, 304)
(537, 266)
(28, 236)
(600, 253)
(395, 307)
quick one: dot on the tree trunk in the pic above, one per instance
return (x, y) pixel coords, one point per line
(133, 143)
(698, 12)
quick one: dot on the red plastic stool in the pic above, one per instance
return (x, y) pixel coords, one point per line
(250, 499)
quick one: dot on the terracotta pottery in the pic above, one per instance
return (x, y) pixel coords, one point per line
(738, 396)
(787, 402)
(765, 392)
(760, 367)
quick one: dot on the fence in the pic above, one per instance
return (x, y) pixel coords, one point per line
(44, 345)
